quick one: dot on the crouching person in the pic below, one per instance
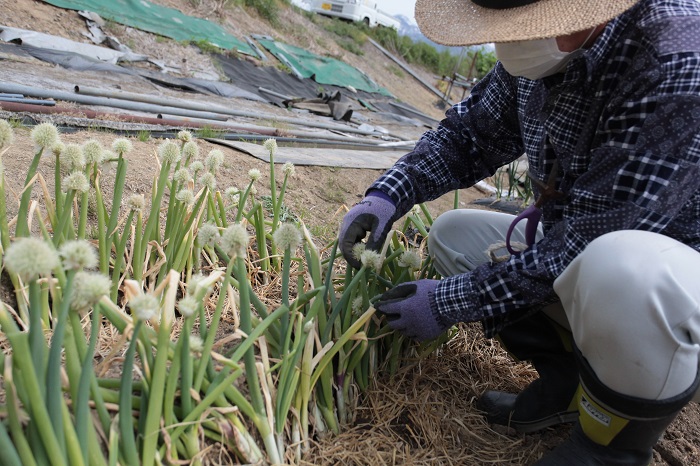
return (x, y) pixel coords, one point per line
(599, 291)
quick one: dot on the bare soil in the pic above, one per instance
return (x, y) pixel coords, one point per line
(426, 414)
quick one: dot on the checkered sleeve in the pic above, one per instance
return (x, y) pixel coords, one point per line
(476, 137)
(641, 173)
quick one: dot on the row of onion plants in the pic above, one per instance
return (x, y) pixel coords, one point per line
(181, 283)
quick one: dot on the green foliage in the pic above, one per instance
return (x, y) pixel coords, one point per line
(423, 54)
(16, 123)
(209, 132)
(283, 68)
(143, 135)
(511, 183)
(351, 46)
(267, 9)
(321, 42)
(485, 63)
(351, 36)
(396, 70)
(205, 46)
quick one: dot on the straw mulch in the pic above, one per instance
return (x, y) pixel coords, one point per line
(425, 414)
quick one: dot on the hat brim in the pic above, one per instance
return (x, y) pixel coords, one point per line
(462, 22)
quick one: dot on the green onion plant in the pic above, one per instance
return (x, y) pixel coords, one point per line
(155, 285)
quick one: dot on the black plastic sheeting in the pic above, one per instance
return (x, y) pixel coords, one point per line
(14, 49)
(250, 77)
(246, 81)
(203, 86)
(74, 61)
(68, 60)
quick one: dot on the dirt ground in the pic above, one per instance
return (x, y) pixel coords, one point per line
(426, 414)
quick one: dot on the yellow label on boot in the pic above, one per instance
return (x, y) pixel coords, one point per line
(599, 424)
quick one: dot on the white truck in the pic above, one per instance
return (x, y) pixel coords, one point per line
(355, 10)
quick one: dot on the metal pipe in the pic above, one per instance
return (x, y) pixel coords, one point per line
(318, 143)
(28, 101)
(115, 103)
(415, 112)
(260, 133)
(286, 132)
(285, 61)
(408, 70)
(131, 96)
(257, 49)
(187, 120)
(93, 114)
(215, 125)
(275, 94)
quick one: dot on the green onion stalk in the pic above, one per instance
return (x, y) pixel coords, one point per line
(288, 169)
(61, 232)
(249, 357)
(205, 364)
(184, 241)
(186, 367)
(53, 376)
(32, 389)
(181, 365)
(117, 194)
(222, 384)
(58, 194)
(4, 225)
(290, 371)
(22, 228)
(305, 390)
(5, 242)
(175, 206)
(113, 455)
(119, 255)
(103, 247)
(82, 219)
(353, 332)
(151, 424)
(264, 257)
(221, 216)
(87, 374)
(243, 199)
(37, 344)
(19, 451)
(127, 441)
(271, 146)
(151, 231)
(138, 244)
(324, 391)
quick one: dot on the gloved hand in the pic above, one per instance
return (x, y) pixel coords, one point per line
(373, 215)
(410, 309)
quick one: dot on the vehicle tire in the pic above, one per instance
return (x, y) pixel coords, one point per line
(367, 22)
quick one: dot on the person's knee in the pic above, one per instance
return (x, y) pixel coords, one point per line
(633, 308)
(623, 263)
(448, 228)
(450, 223)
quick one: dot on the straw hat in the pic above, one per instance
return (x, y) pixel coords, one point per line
(470, 22)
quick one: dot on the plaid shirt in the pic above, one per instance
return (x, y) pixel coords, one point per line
(623, 123)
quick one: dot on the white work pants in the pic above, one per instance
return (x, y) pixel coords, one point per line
(631, 299)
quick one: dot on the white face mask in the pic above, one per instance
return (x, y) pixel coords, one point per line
(536, 59)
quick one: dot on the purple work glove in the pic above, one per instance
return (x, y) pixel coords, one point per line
(410, 309)
(373, 215)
